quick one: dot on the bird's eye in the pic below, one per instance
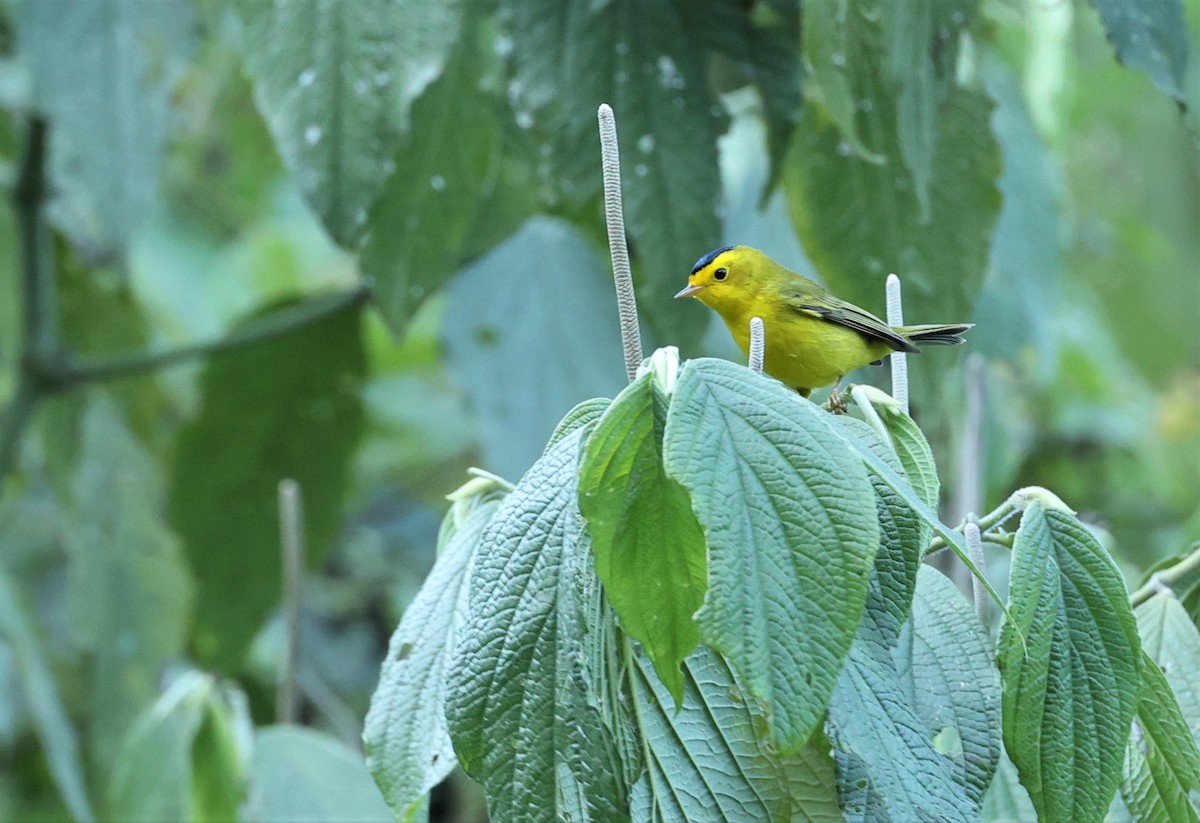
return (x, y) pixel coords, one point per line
(720, 274)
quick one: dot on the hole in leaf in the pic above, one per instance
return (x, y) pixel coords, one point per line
(405, 651)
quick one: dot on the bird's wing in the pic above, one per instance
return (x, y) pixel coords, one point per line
(828, 307)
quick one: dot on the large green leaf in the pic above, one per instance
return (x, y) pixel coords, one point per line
(1150, 35)
(1071, 686)
(60, 746)
(531, 330)
(528, 709)
(285, 408)
(300, 775)
(441, 204)
(706, 762)
(642, 60)
(103, 72)
(1162, 763)
(915, 728)
(1171, 639)
(335, 80)
(408, 747)
(789, 517)
(181, 760)
(860, 218)
(129, 596)
(649, 548)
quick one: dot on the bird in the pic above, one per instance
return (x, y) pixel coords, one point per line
(812, 337)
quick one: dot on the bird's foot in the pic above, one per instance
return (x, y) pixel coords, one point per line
(835, 404)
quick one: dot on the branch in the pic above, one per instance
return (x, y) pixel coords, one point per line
(975, 550)
(898, 360)
(63, 374)
(12, 422)
(291, 528)
(1175, 580)
(610, 160)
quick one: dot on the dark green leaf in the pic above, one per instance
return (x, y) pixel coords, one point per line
(180, 760)
(543, 337)
(915, 728)
(1162, 763)
(860, 219)
(335, 80)
(430, 218)
(527, 709)
(649, 548)
(790, 522)
(1071, 688)
(1150, 35)
(300, 775)
(129, 596)
(103, 72)
(639, 58)
(408, 747)
(285, 408)
(50, 720)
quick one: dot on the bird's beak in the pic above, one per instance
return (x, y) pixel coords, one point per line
(688, 291)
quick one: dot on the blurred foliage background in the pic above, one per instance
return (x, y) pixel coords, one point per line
(359, 243)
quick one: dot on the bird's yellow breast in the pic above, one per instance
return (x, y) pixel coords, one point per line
(802, 351)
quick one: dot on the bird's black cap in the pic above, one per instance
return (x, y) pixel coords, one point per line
(708, 258)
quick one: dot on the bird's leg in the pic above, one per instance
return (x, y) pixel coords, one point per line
(835, 403)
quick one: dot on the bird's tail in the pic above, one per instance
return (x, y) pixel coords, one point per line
(938, 334)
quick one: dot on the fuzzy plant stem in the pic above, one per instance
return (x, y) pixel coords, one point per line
(758, 344)
(1174, 580)
(968, 491)
(291, 532)
(899, 360)
(974, 540)
(610, 160)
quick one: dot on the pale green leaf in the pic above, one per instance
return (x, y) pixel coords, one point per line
(128, 588)
(705, 761)
(791, 527)
(1150, 35)
(543, 337)
(181, 758)
(525, 708)
(1171, 639)
(1006, 800)
(55, 732)
(407, 745)
(300, 775)
(587, 412)
(1162, 764)
(103, 72)
(649, 548)
(335, 80)
(1071, 685)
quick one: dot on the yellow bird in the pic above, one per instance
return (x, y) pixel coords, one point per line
(812, 337)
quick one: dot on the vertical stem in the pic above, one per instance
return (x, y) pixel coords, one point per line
(899, 360)
(974, 542)
(610, 160)
(968, 494)
(758, 344)
(291, 530)
(40, 299)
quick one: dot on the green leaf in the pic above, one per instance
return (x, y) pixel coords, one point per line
(1173, 642)
(1149, 35)
(128, 591)
(407, 744)
(790, 522)
(1071, 688)
(54, 730)
(1006, 800)
(648, 545)
(587, 412)
(103, 72)
(335, 80)
(181, 759)
(642, 60)
(914, 728)
(827, 42)
(299, 775)
(705, 761)
(527, 709)
(859, 220)
(285, 408)
(545, 337)
(1162, 763)
(436, 209)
